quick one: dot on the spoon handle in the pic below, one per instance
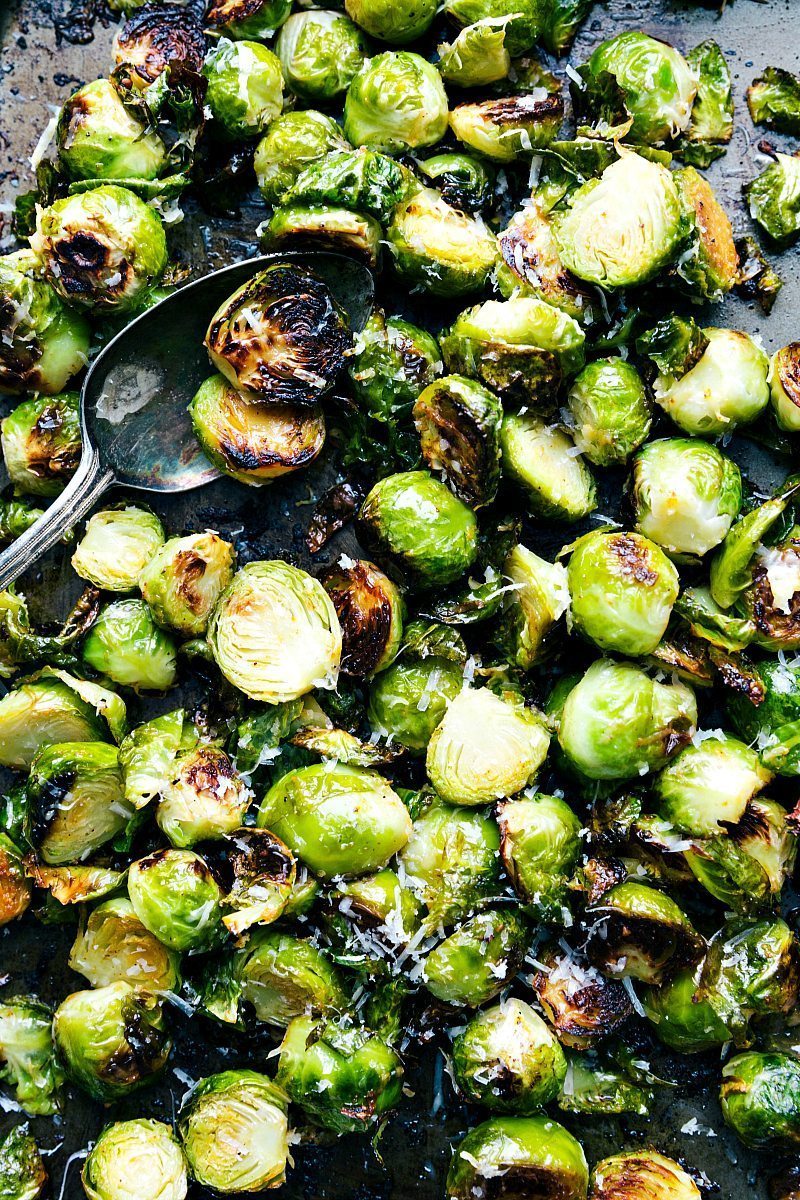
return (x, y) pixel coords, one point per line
(87, 484)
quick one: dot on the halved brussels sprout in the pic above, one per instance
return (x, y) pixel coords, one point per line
(509, 128)
(75, 800)
(459, 426)
(116, 546)
(784, 386)
(746, 867)
(362, 179)
(203, 797)
(98, 138)
(537, 597)
(464, 182)
(709, 784)
(274, 633)
(22, 1172)
(623, 228)
(27, 1056)
(638, 932)
(727, 387)
(74, 885)
(752, 969)
(760, 1099)
(15, 889)
(42, 342)
(523, 28)
(686, 495)
(512, 1156)
(103, 249)
(41, 442)
(774, 198)
(393, 362)
(393, 21)
(113, 945)
(710, 267)
(320, 52)
(176, 897)
(478, 960)
(283, 977)
(772, 598)
(408, 700)
(160, 37)
(343, 1076)
(530, 263)
(711, 125)
(508, 1060)
(184, 578)
(292, 142)
(478, 55)
(259, 875)
(396, 103)
(768, 717)
(642, 1173)
(324, 227)
(623, 588)
(683, 1020)
(126, 645)
(542, 459)
(281, 336)
(112, 1040)
(339, 820)
(581, 1004)
(51, 708)
(598, 1087)
(245, 87)
(146, 756)
(609, 411)
(540, 846)
(451, 862)
(235, 1132)
(370, 611)
(135, 1160)
(439, 249)
(617, 723)
(485, 748)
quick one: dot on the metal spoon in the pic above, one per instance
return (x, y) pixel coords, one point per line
(134, 421)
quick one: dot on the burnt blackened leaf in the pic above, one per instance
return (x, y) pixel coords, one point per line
(673, 345)
(758, 279)
(222, 176)
(711, 125)
(774, 100)
(335, 509)
(774, 198)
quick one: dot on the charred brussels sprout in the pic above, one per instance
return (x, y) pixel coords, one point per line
(117, 545)
(710, 266)
(767, 717)
(642, 1173)
(465, 182)
(204, 797)
(42, 343)
(537, 598)
(176, 897)
(280, 336)
(709, 784)
(439, 249)
(726, 387)
(752, 969)
(682, 1019)
(581, 1004)
(609, 412)
(162, 36)
(459, 426)
(390, 21)
(508, 1060)
(541, 458)
(356, 179)
(293, 141)
(760, 1099)
(408, 700)
(393, 362)
(526, 1153)
(15, 888)
(98, 138)
(451, 862)
(75, 800)
(774, 199)
(639, 932)
(112, 1040)
(478, 960)
(339, 820)
(396, 103)
(245, 87)
(235, 1132)
(41, 441)
(184, 578)
(530, 264)
(772, 596)
(274, 633)
(540, 846)
(370, 611)
(344, 1077)
(623, 588)
(686, 495)
(284, 977)
(784, 386)
(477, 56)
(509, 128)
(320, 52)
(22, 1172)
(746, 867)
(27, 1057)
(257, 19)
(114, 945)
(325, 227)
(55, 708)
(126, 645)
(103, 249)
(135, 1160)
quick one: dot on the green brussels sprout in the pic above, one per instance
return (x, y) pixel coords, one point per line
(451, 862)
(766, 717)
(525, 1153)
(113, 945)
(438, 249)
(774, 199)
(709, 784)
(15, 887)
(111, 1040)
(418, 524)
(746, 867)
(682, 1019)
(126, 645)
(284, 977)
(542, 459)
(184, 578)
(686, 495)
(344, 1077)
(760, 1099)
(727, 387)
(293, 141)
(537, 598)
(274, 633)
(408, 700)
(617, 723)
(711, 125)
(581, 1004)
(530, 265)
(379, 905)
(598, 1088)
(258, 19)
(98, 138)
(22, 1172)
(752, 969)
(710, 266)
(540, 846)
(638, 932)
(75, 800)
(244, 87)
(784, 387)
(325, 227)
(157, 40)
(508, 1060)
(485, 748)
(478, 55)
(478, 960)
(774, 100)
(732, 566)
(464, 182)
(359, 179)
(204, 797)
(27, 1056)
(609, 411)
(176, 897)
(135, 1160)
(102, 249)
(674, 345)
(559, 22)
(393, 362)
(623, 588)
(42, 342)
(624, 227)
(524, 19)
(320, 52)
(146, 756)
(370, 611)
(55, 707)
(396, 103)
(235, 1132)
(41, 442)
(459, 422)
(642, 1173)
(116, 546)
(338, 820)
(510, 128)
(392, 22)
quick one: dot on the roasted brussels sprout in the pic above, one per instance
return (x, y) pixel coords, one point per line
(540, 846)
(396, 103)
(390, 21)
(111, 1040)
(146, 756)
(710, 265)
(530, 264)
(27, 1057)
(393, 361)
(204, 797)
(283, 977)
(746, 867)
(408, 700)
(772, 595)
(708, 785)
(42, 343)
(760, 1099)
(526, 1153)
(617, 723)
(537, 597)
(508, 1060)
(439, 249)
(581, 1004)
(135, 1160)
(244, 87)
(733, 570)
(509, 128)
(522, 30)
(451, 862)
(176, 897)
(320, 52)
(597, 1086)
(541, 458)
(235, 1133)
(54, 707)
(682, 1019)
(766, 717)
(259, 875)
(640, 1173)
(103, 249)
(280, 336)
(41, 442)
(774, 100)
(639, 932)
(752, 969)
(479, 959)
(356, 179)
(274, 633)
(15, 889)
(113, 945)
(117, 545)
(478, 55)
(609, 412)
(726, 387)
(370, 611)
(184, 578)
(98, 138)
(325, 227)
(459, 422)
(75, 801)
(774, 198)
(464, 182)
(16, 516)
(292, 142)
(784, 386)
(22, 1172)
(127, 646)
(161, 37)
(258, 19)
